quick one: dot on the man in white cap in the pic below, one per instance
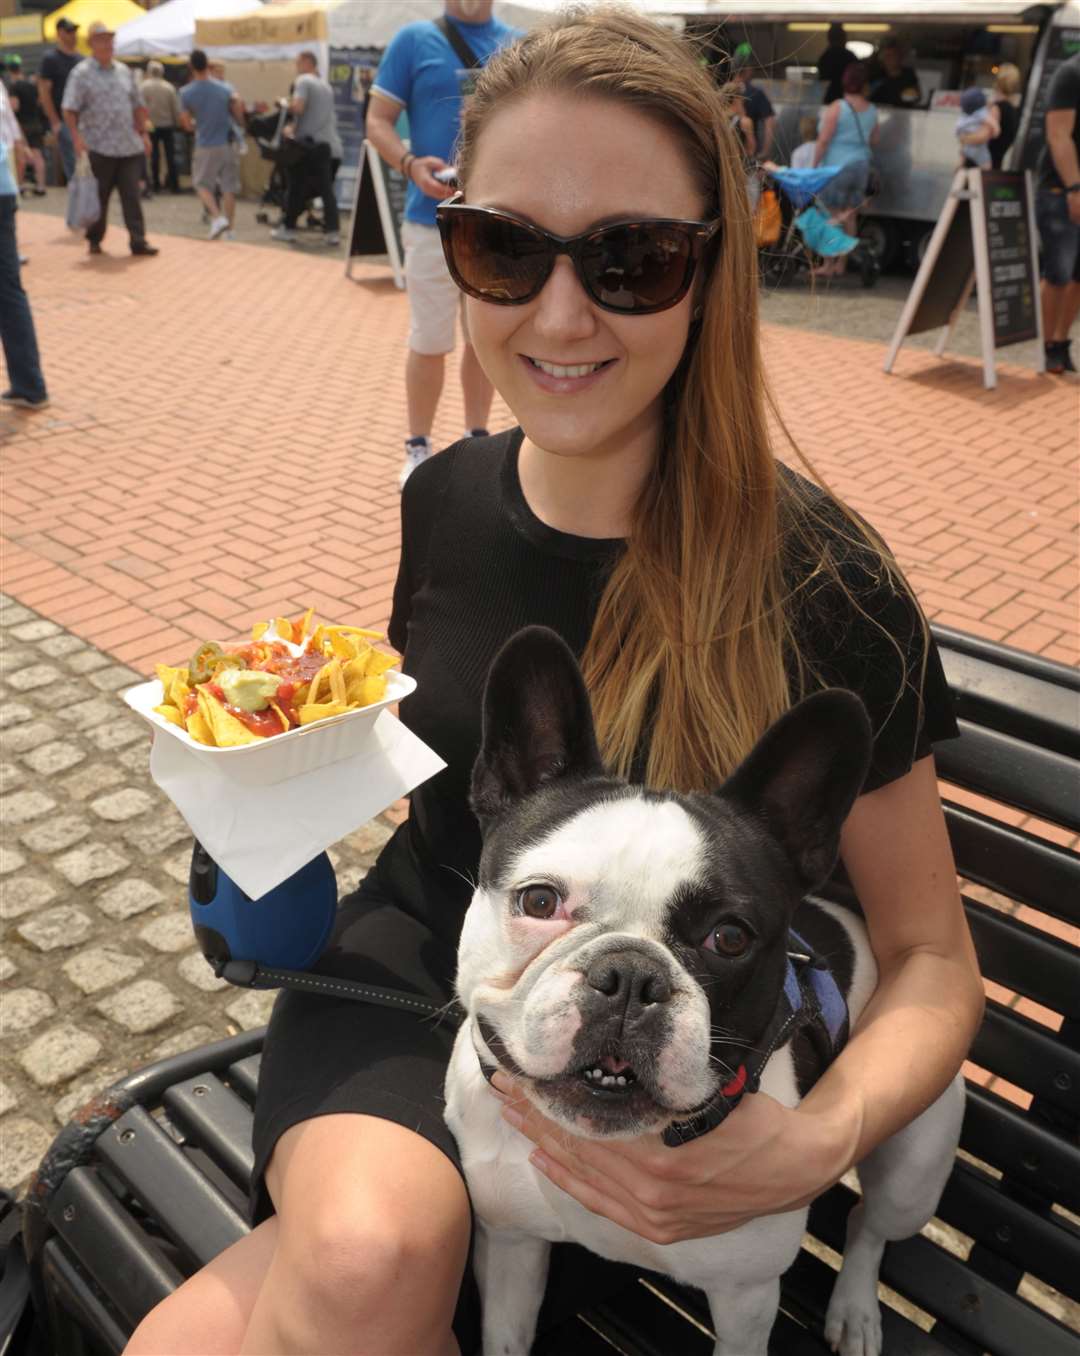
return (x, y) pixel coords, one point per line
(107, 118)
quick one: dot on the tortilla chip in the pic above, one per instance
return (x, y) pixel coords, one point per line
(198, 729)
(283, 626)
(319, 711)
(372, 690)
(226, 729)
(259, 629)
(302, 625)
(378, 661)
(171, 714)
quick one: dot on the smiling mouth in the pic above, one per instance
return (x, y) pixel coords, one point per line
(568, 370)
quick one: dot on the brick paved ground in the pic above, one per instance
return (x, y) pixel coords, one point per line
(223, 443)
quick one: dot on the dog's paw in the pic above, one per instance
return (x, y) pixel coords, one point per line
(853, 1326)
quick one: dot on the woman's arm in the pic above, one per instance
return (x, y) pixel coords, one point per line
(906, 1046)
(917, 1028)
(826, 131)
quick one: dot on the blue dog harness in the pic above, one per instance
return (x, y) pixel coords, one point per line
(813, 1004)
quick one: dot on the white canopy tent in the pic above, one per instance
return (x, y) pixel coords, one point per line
(372, 23)
(169, 30)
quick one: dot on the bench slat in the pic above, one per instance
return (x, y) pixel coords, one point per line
(111, 1244)
(1015, 863)
(941, 1284)
(1045, 1245)
(1021, 1148)
(1028, 1055)
(73, 1295)
(1019, 704)
(188, 1207)
(808, 1282)
(244, 1075)
(218, 1121)
(1008, 770)
(1032, 962)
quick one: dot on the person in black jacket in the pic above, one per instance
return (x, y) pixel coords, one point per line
(833, 62)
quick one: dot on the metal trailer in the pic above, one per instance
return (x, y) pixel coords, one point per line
(917, 153)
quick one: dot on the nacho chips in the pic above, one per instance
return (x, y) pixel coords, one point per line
(319, 673)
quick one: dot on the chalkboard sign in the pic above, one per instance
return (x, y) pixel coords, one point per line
(1013, 289)
(1062, 44)
(950, 279)
(377, 211)
(985, 236)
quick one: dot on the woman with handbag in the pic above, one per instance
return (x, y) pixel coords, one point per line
(847, 135)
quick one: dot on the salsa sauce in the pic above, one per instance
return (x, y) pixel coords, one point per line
(272, 657)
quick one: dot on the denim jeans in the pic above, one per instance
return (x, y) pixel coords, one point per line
(16, 323)
(1060, 238)
(67, 151)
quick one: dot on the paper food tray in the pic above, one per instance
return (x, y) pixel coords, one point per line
(278, 757)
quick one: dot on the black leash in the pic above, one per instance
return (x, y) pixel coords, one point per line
(250, 975)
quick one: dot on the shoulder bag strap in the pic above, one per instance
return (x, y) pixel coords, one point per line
(462, 50)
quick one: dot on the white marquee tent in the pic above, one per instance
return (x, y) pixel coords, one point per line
(169, 30)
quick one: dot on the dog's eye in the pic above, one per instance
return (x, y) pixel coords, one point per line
(728, 939)
(538, 901)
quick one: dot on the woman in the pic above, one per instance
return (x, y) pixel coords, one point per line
(847, 135)
(1005, 99)
(639, 511)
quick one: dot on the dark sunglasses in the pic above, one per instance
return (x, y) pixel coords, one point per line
(631, 268)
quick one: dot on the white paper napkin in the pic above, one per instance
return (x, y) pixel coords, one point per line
(261, 835)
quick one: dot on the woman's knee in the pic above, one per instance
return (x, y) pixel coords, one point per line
(367, 1209)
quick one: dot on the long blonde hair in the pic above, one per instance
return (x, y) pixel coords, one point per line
(688, 649)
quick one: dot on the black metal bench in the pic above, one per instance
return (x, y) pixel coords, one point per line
(150, 1181)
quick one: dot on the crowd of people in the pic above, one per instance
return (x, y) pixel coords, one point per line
(128, 125)
(203, 107)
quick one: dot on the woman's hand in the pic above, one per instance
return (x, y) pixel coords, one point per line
(763, 1160)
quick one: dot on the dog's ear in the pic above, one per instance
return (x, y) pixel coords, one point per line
(803, 776)
(538, 724)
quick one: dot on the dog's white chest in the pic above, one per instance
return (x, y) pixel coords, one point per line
(509, 1194)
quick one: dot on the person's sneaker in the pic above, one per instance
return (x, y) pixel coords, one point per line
(218, 226)
(20, 402)
(144, 250)
(1055, 357)
(229, 235)
(1066, 353)
(40, 192)
(283, 233)
(477, 433)
(95, 247)
(331, 239)
(417, 450)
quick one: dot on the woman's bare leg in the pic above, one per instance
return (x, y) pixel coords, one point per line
(373, 1237)
(364, 1257)
(210, 1313)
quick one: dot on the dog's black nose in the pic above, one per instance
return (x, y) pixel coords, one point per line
(630, 979)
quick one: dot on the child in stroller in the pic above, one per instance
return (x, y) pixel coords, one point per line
(808, 234)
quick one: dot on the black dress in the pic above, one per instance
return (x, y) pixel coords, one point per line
(476, 566)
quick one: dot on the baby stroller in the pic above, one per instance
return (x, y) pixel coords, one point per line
(267, 131)
(807, 232)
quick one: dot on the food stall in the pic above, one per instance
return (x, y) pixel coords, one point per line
(951, 44)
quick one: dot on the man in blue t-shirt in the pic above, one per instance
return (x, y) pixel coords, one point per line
(422, 74)
(209, 108)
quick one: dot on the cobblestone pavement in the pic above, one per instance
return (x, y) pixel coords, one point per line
(99, 965)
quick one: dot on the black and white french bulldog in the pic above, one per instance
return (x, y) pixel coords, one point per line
(629, 959)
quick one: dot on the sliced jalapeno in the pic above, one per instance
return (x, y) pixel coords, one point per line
(203, 661)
